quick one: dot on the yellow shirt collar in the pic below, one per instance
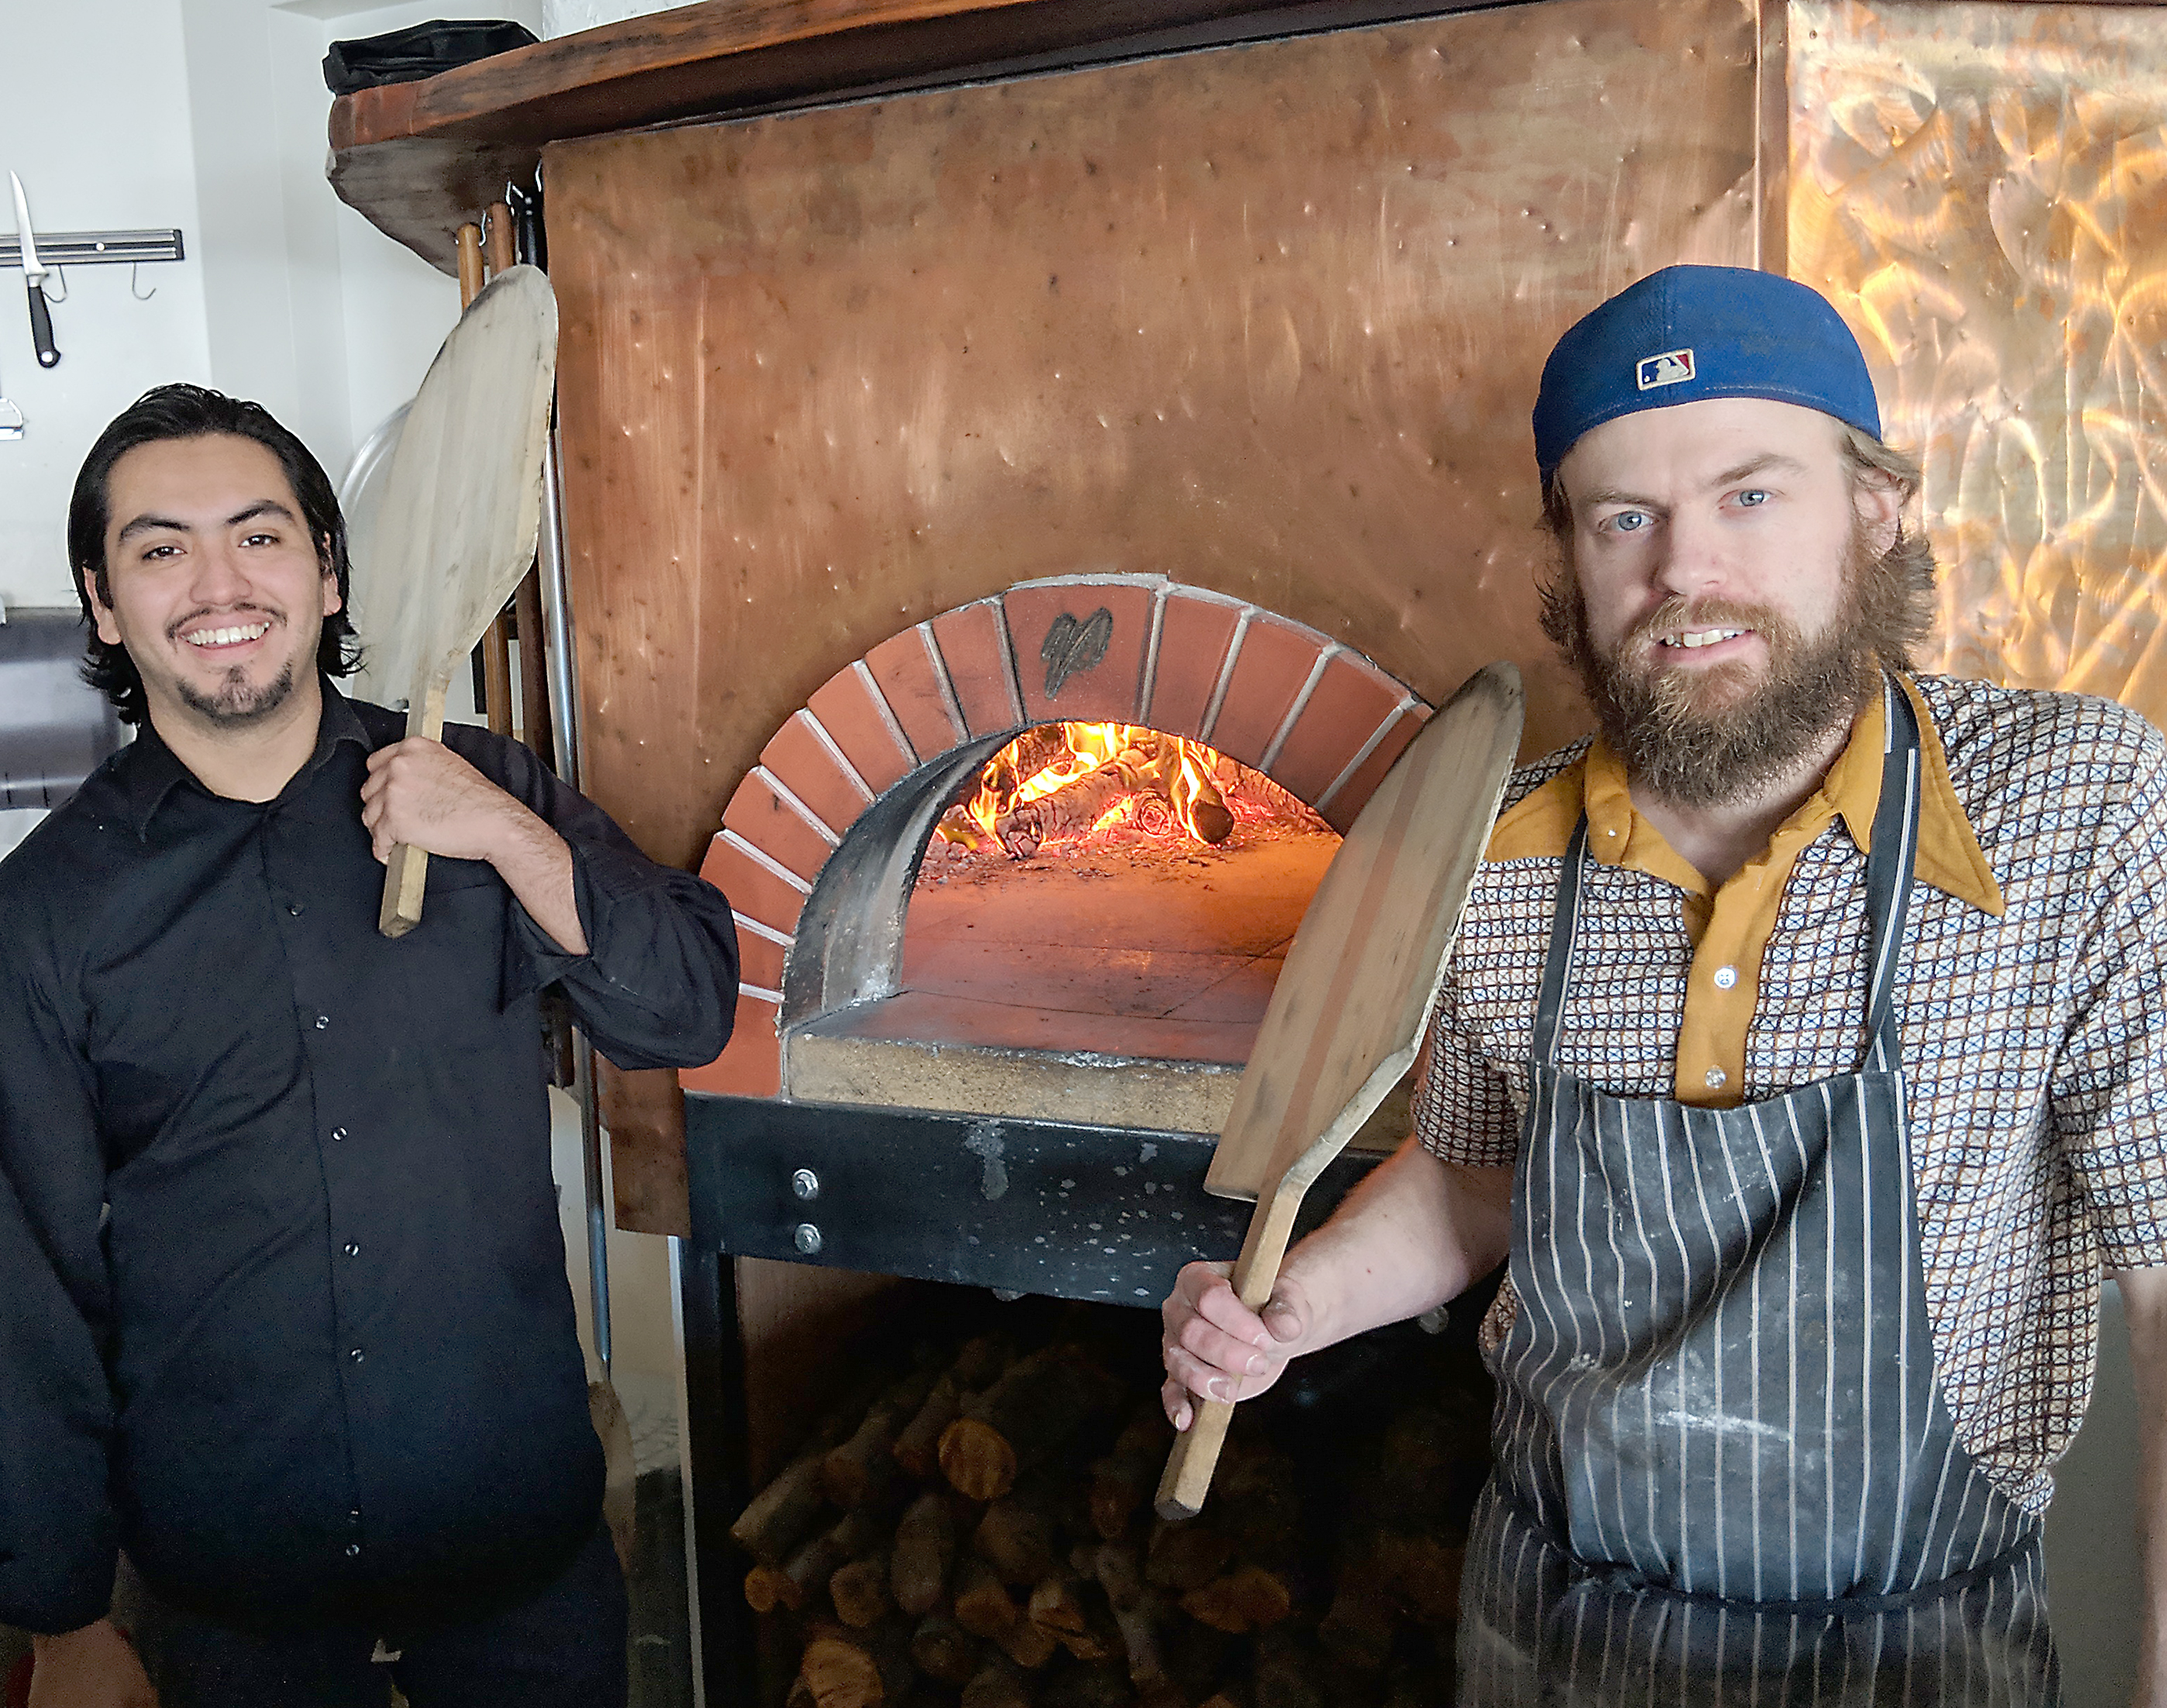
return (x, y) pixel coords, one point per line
(1540, 824)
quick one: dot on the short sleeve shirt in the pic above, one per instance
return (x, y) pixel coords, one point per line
(2032, 1004)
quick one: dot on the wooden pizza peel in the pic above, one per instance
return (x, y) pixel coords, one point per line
(460, 512)
(1348, 1014)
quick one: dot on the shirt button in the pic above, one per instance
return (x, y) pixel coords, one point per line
(322, 1021)
(352, 1248)
(338, 1133)
(353, 1550)
(1716, 1077)
(354, 1516)
(354, 1356)
(1725, 977)
(293, 908)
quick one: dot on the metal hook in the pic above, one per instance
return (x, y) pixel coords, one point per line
(61, 294)
(133, 269)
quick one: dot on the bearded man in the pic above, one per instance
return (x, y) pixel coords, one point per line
(1802, 1057)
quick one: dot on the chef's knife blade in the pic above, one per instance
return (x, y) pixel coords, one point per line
(34, 277)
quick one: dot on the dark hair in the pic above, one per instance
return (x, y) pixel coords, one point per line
(195, 412)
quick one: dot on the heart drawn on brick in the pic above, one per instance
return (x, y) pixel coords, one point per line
(1072, 648)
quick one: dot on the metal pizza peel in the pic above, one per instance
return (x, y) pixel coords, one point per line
(459, 513)
(1347, 1017)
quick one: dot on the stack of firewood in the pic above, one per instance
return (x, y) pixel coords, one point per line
(981, 1534)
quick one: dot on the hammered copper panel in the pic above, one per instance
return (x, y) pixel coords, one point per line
(1982, 189)
(1267, 318)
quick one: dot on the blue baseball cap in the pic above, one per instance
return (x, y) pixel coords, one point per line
(1686, 333)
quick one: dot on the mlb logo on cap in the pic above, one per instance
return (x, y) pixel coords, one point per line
(1672, 368)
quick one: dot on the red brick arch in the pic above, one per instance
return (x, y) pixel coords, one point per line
(1317, 717)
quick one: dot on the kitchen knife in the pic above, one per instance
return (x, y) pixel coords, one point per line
(34, 277)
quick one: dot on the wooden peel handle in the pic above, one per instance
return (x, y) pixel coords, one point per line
(1187, 1478)
(406, 873)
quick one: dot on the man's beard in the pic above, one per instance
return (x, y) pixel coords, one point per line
(1703, 738)
(236, 702)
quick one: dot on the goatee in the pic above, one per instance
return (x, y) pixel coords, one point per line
(235, 702)
(1701, 738)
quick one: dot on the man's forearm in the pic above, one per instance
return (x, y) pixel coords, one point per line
(536, 865)
(2145, 1307)
(1416, 1233)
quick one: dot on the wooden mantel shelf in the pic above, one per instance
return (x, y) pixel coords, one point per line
(417, 159)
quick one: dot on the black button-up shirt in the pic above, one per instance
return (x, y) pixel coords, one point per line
(282, 1299)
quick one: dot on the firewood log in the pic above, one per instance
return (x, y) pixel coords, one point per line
(1249, 1599)
(1040, 1404)
(1121, 1483)
(977, 1363)
(863, 1468)
(812, 1566)
(942, 1649)
(983, 1606)
(1286, 1675)
(857, 1668)
(840, 1672)
(800, 1694)
(1055, 1607)
(1103, 1685)
(999, 1683)
(917, 1445)
(859, 1590)
(1030, 1647)
(1187, 1556)
(767, 1587)
(925, 1546)
(1075, 1612)
(1357, 1629)
(1198, 1658)
(1016, 1541)
(771, 1528)
(1136, 1608)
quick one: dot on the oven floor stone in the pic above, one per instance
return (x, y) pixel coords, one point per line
(1090, 988)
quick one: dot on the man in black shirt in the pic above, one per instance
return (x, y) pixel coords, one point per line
(286, 1316)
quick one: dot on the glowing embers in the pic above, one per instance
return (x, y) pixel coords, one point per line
(1065, 788)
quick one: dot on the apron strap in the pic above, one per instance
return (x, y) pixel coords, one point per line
(1558, 961)
(1889, 868)
(1888, 892)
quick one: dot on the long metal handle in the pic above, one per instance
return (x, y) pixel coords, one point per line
(564, 715)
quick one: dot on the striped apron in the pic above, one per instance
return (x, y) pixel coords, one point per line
(1724, 1471)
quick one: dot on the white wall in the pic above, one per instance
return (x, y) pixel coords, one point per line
(97, 124)
(567, 16)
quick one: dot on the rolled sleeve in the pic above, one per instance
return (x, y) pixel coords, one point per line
(2109, 1089)
(57, 1525)
(658, 986)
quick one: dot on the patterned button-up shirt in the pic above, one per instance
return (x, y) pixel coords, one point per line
(2032, 1006)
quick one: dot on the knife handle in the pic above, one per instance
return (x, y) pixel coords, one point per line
(41, 328)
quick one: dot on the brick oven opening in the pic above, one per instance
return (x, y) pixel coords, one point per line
(1096, 917)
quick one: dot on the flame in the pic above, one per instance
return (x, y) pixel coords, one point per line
(1199, 811)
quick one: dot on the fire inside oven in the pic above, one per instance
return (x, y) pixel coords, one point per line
(1142, 885)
